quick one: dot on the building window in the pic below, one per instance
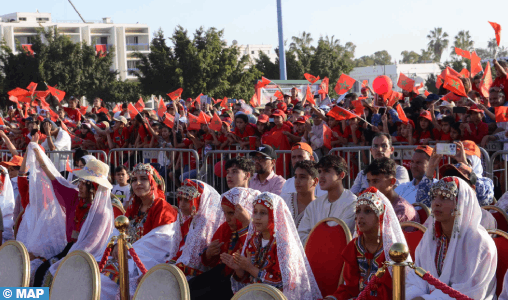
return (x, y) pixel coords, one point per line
(252, 52)
(42, 19)
(22, 19)
(268, 51)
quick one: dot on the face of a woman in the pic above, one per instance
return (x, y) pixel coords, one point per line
(240, 124)
(83, 191)
(260, 217)
(96, 102)
(80, 164)
(278, 120)
(229, 213)
(366, 219)
(140, 184)
(424, 123)
(442, 208)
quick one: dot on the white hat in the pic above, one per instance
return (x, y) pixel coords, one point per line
(447, 104)
(95, 171)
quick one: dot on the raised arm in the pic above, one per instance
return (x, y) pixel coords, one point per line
(8, 143)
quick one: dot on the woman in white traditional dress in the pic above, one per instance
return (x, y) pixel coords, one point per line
(457, 249)
(7, 204)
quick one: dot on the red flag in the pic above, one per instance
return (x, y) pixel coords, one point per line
(455, 85)
(463, 53)
(117, 108)
(2, 121)
(402, 114)
(169, 120)
(476, 65)
(140, 105)
(439, 81)
(497, 30)
(193, 122)
(28, 48)
(324, 86)
(103, 109)
(311, 78)
(451, 97)
(198, 99)
(344, 84)
(465, 73)
(309, 97)
(224, 102)
(68, 166)
(216, 123)
(18, 92)
(278, 94)
(31, 87)
(365, 83)
(54, 117)
(175, 94)
(339, 114)
(418, 88)
(83, 109)
(204, 118)
(327, 136)
(486, 81)
(262, 83)
(162, 108)
(254, 101)
(132, 110)
(405, 83)
(426, 93)
(57, 93)
(14, 99)
(393, 97)
(358, 107)
(502, 114)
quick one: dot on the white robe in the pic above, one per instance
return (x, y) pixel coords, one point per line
(319, 209)
(62, 142)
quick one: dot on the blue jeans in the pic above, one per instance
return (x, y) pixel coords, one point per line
(188, 174)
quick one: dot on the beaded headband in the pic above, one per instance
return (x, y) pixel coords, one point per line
(447, 189)
(371, 200)
(142, 167)
(188, 192)
(265, 200)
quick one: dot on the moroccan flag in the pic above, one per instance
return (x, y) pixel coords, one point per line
(393, 98)
(262, 83)
(31, 87)
(216, 123)
(465, 73)
(358, 107)
(497, 29)
(18, 92)
(449, 71)
(198, 99)
(132, 110)
(402, 114)
(278, 141)
(451, 97)
(175, 94)
(339, 114)
(405, 83)
(463, 53)
(439, 81)
(344, 84)
(224, 102)
(57, 93)
(311, 78)
(426, 93)
(418, 88)
(324, 86)
(278, 94)
(193, 122)
(83, 109)
(365, 83)
(161, 110)
(254, 101)
(117, 108)
(204, 118)
(14, 99)
(140, 105)
(168, 120)
(327, 136)
(502, 114)
(455, 85)
(486, 81)
(476, 65)
(54, 116)
(309, 97)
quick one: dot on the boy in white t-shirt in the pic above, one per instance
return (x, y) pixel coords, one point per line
(122, 188)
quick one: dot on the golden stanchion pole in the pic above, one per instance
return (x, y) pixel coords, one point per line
(399, 253)
(122, 223)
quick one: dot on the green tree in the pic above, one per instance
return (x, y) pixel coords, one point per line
(463, 41)
(437, 42)
(303, 49)
(430, 84)
(410, 57)
(376, 59)
(267, 67)
(488, 53)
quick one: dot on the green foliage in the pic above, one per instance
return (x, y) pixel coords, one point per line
(437, 42)
(430, 84)
(376, 59)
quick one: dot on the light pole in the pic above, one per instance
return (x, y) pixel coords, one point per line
(282, 53)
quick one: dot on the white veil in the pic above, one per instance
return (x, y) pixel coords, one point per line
(7, 204)
(42, 229)
(297, 277)
(471, 259)
(242, 196)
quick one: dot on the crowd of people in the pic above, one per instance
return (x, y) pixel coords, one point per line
(255, 231)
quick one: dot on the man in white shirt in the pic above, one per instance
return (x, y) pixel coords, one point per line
(57, 139)
(299, 152)
(419, 165)
(338, 202)
(381, 147)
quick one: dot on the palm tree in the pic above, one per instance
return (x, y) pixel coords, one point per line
(438, 42)
(463, 41)
(301, 42)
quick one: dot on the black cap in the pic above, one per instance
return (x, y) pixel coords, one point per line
(298, 108)
(266, 151)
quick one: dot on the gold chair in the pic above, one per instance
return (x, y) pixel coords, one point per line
(118, 209)
(258, 291)
(77, 275)
(164, 281)
(14, 265)
(423, 212)
(18, 222)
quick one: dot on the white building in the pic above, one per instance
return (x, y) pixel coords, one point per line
(125, 38)
(253, 51)
(417, 72)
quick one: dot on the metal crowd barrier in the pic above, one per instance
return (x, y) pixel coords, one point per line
(502, 172)
(5, 155)
(169, 162)
(63, 155)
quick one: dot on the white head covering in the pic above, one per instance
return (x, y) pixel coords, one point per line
(203, 226)
(242, 196)
(391, 230)
(471, 259)
(7, 204)
(297, 277)
(476, 164)
(42, 229)
(71, 177)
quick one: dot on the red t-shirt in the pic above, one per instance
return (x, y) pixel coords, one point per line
(477, 132)
(187, 156)
(348, 134)
(338, 130)
(73, 114)
(439, 135)
(501, 81)
(250, 130)
(120, 138)
(419, 136)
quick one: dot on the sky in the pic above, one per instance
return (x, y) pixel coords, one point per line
(372, 25)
